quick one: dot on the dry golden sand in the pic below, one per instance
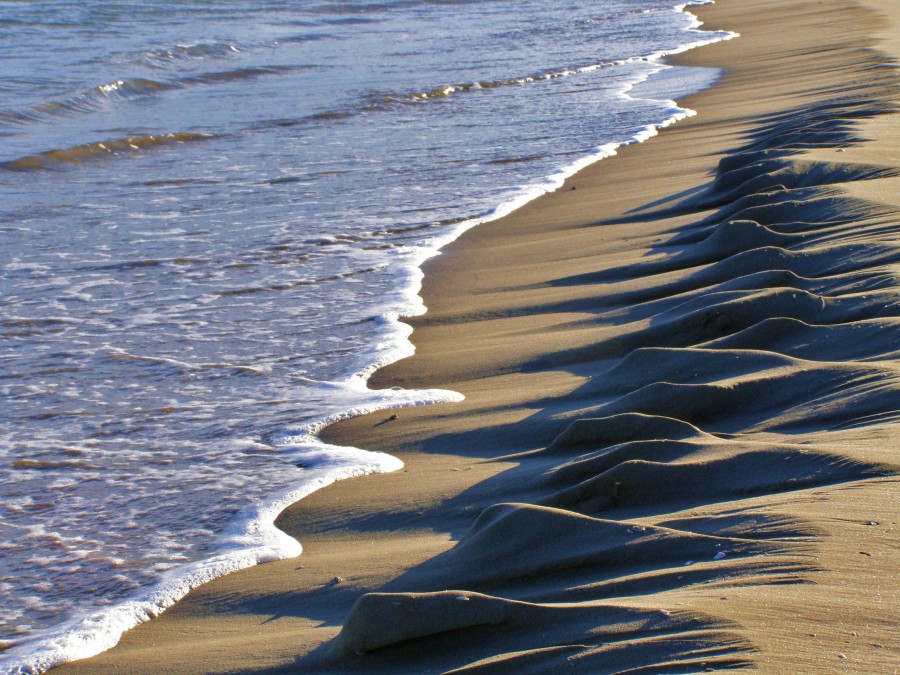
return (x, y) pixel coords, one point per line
(640, 397)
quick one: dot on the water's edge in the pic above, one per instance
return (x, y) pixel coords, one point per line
(253, 538)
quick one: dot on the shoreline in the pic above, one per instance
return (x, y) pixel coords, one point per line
(403, 524)
(156, 600)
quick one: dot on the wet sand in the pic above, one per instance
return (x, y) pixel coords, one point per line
(678, 448)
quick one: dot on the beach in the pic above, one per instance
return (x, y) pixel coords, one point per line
(677, 448)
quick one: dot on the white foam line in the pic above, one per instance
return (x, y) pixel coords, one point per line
(259, 541)
(254, 539)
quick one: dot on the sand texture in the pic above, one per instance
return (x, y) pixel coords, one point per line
(678, 450)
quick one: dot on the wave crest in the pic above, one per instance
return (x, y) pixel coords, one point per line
(80, 154)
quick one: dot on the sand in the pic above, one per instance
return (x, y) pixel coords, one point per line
(678, 447)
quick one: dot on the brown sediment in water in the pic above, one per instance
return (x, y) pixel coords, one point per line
(117, 147)
(677, 451)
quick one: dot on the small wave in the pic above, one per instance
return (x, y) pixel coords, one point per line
(313, 119)
(79, 154)
(201, 50)
(517, 160)
(353, 20)
(125, 265)
(381, 100)
(91, 101)
(330, 115)
(386, 100)
(308, 37)
(234, 75)
(295, 284)
(128, 89)
(17, 323)
(39, 464)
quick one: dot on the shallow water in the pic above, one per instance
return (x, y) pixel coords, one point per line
(211, 214)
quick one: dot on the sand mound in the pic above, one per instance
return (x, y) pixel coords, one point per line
(827, 124)
(617, 429)
(788, 174)
(866, 340)
(454, 626)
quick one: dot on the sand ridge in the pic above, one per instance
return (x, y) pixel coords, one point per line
(685, 418)
(678, 447)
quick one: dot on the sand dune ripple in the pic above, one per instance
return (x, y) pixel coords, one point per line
(756, 328)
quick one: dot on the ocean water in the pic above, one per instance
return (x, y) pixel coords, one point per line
(212, 213)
